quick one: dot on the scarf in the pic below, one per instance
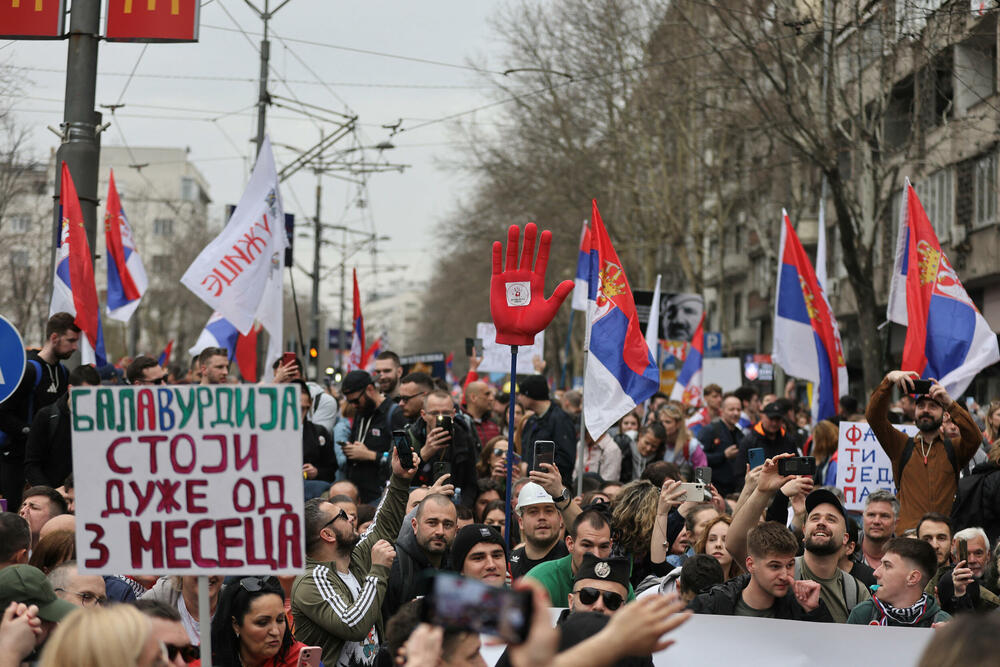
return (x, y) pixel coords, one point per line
(901, 615)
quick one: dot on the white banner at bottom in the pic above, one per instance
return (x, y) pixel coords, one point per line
(765, 642)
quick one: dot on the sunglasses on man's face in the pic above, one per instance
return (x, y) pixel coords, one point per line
(187, 652)
(589, 595)
(340, 515)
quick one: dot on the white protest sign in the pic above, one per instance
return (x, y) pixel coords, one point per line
(862, 464)
(496, 357)
(189, 479)
(766, 642)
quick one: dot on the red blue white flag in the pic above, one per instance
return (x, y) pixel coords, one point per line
(620, 371)
(356, 360)
(126, 276)
(582, 271)
(806, 340)
(947, 338)
(73, 288)
(687, 388)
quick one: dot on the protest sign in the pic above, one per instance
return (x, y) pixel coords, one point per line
(496, 357)
(191, 480)
(862, 464)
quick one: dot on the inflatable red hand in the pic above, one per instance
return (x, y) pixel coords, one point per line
(517, 294)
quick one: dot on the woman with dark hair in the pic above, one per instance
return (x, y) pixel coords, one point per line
(250, 628)
(492, 462)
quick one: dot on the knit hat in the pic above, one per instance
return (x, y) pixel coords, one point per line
(28, 585)
(535, 387)
(468, 537)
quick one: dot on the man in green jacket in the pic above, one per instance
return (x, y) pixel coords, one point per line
(337, 602)
(590, 533)
(906, 567)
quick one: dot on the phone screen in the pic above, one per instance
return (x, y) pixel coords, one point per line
(460, 603)
(401, 440)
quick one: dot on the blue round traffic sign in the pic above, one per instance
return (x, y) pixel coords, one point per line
(12, 358)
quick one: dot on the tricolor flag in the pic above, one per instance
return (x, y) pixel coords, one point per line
(373, 351)
(946, 336)
(356, 360)
(126, 275)
(582, 271)
(73, 288)
(620, 371)
(806, 339)
(220, 332)
(687, 388)
(165, 355)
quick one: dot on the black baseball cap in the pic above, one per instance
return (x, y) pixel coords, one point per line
(820, 496)
(774, 410)
(355, 381)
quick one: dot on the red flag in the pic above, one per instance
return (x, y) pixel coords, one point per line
(246, 354)
(81, 270)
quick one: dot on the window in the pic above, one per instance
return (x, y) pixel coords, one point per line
(19, 258)
(937, 194)
(737, 309)
(20, 223)
(984, 193)
(163, 227)
(759, 268)
(161, 264)
(189, 189)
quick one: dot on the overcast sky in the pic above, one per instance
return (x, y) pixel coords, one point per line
(201, 96)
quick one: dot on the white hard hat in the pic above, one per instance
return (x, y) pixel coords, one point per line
(532, 494)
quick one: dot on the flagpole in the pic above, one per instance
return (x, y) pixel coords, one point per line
(581, 446)
(510, 442)
(569, 337)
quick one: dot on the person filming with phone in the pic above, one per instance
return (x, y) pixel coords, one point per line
(445, 445)
(925, 467)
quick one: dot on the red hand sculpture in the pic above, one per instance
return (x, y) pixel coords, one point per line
(517, 295)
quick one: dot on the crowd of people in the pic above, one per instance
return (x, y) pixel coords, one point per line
(603, 528)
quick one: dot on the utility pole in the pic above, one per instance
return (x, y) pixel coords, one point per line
(263, 97)
(317, 242)
(80, 148)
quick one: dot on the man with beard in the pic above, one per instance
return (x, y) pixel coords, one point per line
(337, 602)
(423, 548)
(825, 532)
(926, 466)
(541, 527)
(43, 382)
(388, 372)
(368, 447)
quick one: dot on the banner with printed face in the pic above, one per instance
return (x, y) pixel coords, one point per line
(862, 464)
(188, 480)
(496, 357)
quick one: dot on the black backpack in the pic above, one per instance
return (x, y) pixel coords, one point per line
(908, 452)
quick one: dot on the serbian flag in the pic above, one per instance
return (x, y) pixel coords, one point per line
(373, 351)
(356, 359)
(620, 370)
(126, 275)
(582, 271)
(946, 336)
(73, 288)
(687, 388)
(806, 339)
(220, 332)
(165, 355)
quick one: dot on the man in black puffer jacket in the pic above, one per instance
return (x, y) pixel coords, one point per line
(770, 589)
(422, 545)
